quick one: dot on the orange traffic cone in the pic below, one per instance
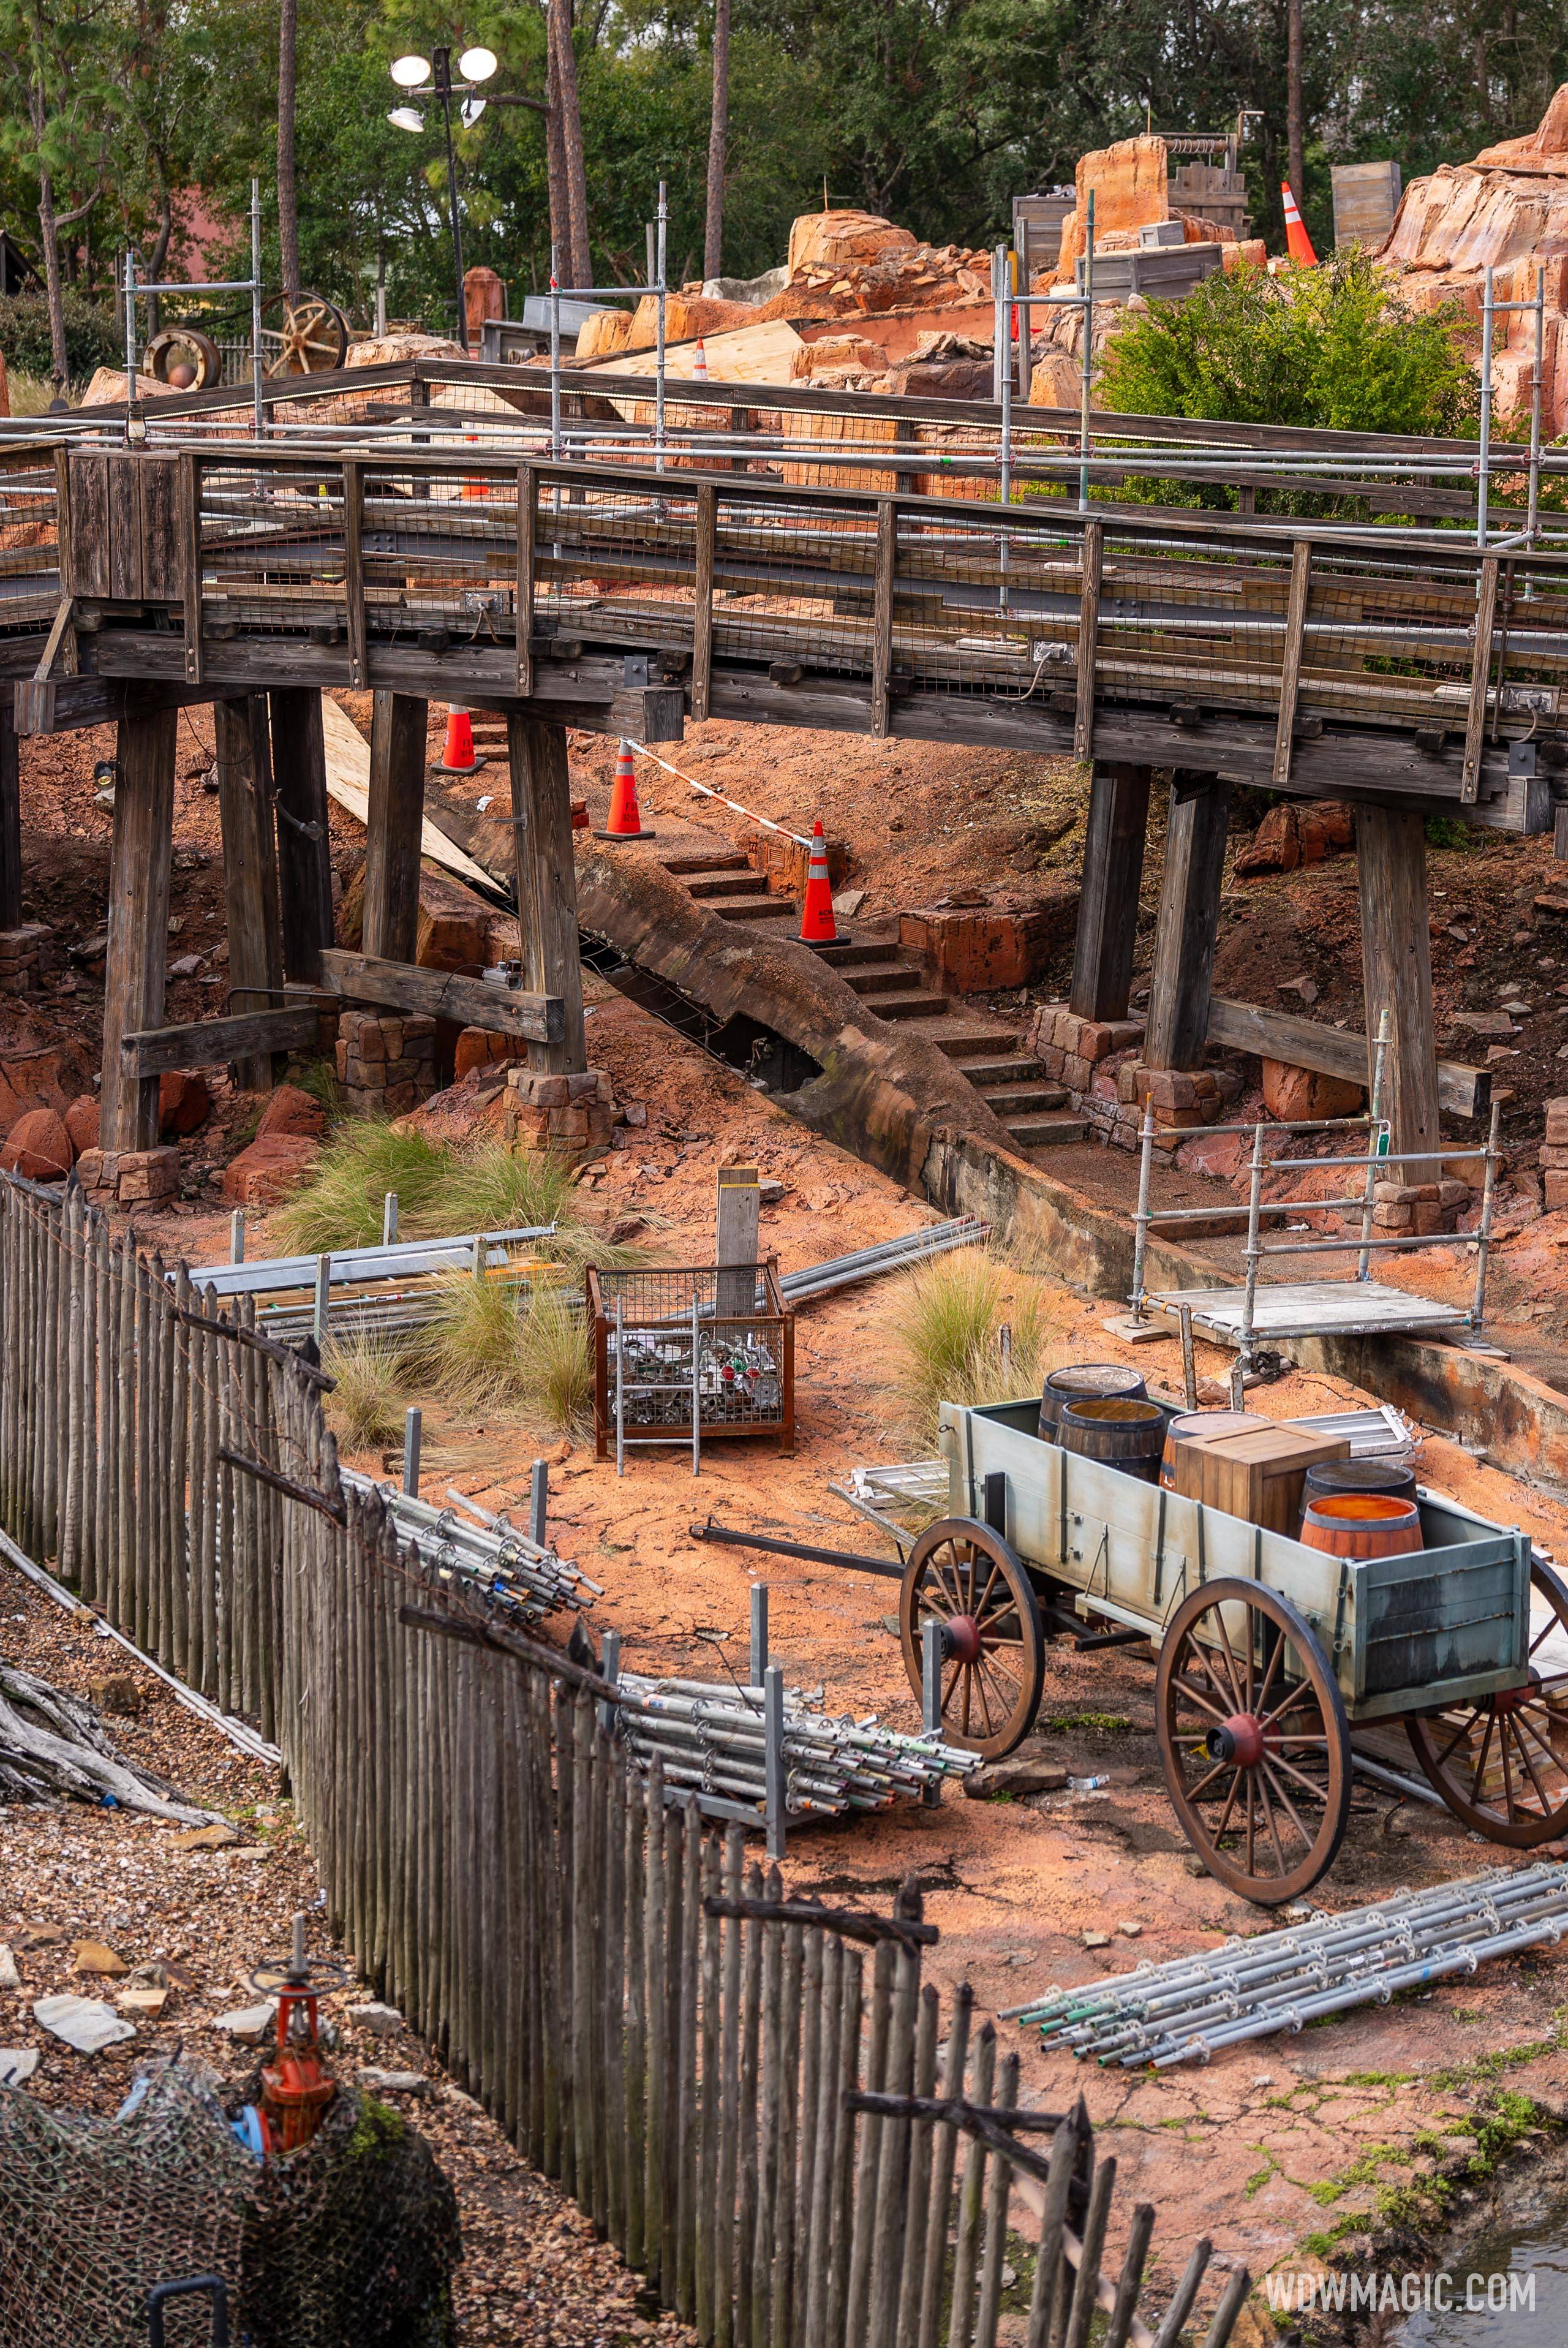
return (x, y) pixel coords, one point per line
(699, 364)
(1297, 241)
(626, 820)
(817, 926)
(458, 757)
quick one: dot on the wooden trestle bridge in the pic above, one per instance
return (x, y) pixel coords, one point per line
(778, 557)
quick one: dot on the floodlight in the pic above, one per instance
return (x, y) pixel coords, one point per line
(477, 64)
(406, 118)
(472, 107)
(409, 72)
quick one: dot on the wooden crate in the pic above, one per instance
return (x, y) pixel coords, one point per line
(1257, 1476)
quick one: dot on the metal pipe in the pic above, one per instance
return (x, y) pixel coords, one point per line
(413, 1421)
(1483, 1235)
(1244, 1357)
(1084, 432)
(1483, 469)
(258, 414)
(660, 291)
(1140, 1220)
(1376, 1142)
(554, 354)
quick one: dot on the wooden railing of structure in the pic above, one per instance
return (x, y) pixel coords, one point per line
(705, 2065)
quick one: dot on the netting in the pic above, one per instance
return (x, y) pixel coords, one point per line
(355, 2238)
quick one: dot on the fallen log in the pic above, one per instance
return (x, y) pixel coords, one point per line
(53, 1748)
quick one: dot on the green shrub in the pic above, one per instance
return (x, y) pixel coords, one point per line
(1336, 346)
(92, 338)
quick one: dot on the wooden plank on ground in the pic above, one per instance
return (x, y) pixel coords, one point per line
(202, 1043)
(347, 755)
(442, 995)
(1332, 1052)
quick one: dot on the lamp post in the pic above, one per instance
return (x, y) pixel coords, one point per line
(431, 77)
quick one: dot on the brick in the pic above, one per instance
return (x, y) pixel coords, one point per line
(363, 1076)
(1167, 1087)
(1095, 1041)
(1557, 1120)
(571, 1124)
(1077, 1072)
(1231, 1085)
(399, 1098)
(1452, 1192)
(1104, 1082)
(340, 1059)
(1053, 1059)
(1392, 1219)
(1555, 1187)
(541, 1090)
(1428, 1217)
(1396, 1194)
(91, 1169)
(1555, 1154)
(1127, 1081)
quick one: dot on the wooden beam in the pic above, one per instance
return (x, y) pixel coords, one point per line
(304, 864)
(1481, 677)
(547, 884)
(1178, 1025)
(249, 866)
(1091, 561)
(1397, 964)
(394, 817)
(1332, 1052)
(882, 614)
(137, 922)
(65, 705)
(1290, 668)
(702, 601)
(250, 1034)
(1108, 899)
(443, 994)
(522, 601)
(353, 568)
(10, 821)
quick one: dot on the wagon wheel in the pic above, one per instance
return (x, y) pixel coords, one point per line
(1253, 1740)
(308, 337)
(963, 1576)
(1502, 1763)
(178, 347)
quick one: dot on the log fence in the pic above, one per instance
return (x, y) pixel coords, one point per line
(761, 2104)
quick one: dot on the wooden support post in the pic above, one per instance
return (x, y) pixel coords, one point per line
(1087, 637)
(10, 819)
(882, 615)
(547, 882)
(523, 600)
(1481, 681)
(305, 864)
(395, 818)
(250, 868)
(1189, 924)
(1395, 949)
(139, 857)
(702, 601)
(1108, 902)
(736, 1242)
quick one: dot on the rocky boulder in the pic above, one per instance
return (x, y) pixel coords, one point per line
(39, 1146)
(274, 1167)
(1291, 1094)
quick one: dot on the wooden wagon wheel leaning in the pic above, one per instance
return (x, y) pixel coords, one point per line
(308, 337)
(1253, 1740)
(965, 1577)
(185, 357)
(1501, 1762)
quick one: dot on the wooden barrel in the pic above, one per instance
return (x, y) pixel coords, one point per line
(1123, 1431)
(1362, 1524)
(1103, 1381)
(1203, 1422)
(1358, 1476)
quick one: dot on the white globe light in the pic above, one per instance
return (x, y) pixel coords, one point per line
(409, 72)
(472, 107)
(406, 118)
(477, 64)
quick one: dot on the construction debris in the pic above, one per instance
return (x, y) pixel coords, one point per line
(1188, 2010)
(52, 1747)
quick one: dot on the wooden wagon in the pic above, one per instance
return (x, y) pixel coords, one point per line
(1270, 1655)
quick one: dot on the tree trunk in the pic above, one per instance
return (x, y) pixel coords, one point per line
(717, 139)
(53, 1748)
(555, 162)
(1294, 129)
(288, 200)
(49, 238)
(570, 121)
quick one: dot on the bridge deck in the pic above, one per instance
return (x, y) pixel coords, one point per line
(1418, 668)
